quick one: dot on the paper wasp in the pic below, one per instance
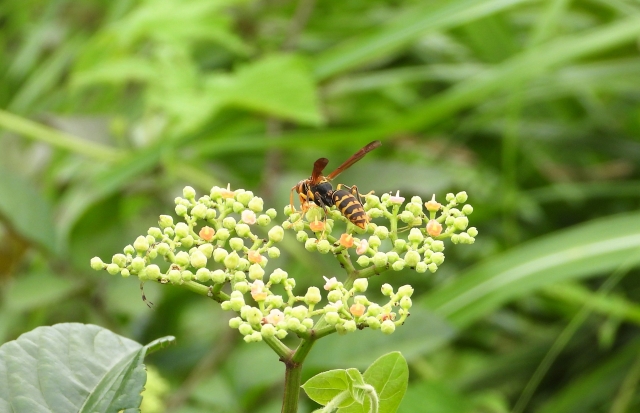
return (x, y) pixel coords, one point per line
(318, 189)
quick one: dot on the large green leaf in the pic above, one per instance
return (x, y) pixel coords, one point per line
(585, 250)
(73, 367)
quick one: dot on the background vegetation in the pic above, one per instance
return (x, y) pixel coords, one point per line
(533, 107)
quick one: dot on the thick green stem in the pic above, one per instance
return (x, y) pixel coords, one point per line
(293, 376)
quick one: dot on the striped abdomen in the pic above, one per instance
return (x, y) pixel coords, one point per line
(350, 207)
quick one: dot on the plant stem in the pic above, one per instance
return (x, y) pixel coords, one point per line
(293, 376)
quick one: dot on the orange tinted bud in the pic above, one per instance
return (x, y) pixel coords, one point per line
(207, 233)
(316, 225)
(433, 205)
(257, 291)
(388, 316)
(357, 309)
(346, 240)
(227, 193)
(434, 228)
(255, 257)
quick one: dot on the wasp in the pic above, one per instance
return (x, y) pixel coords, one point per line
(318, 189)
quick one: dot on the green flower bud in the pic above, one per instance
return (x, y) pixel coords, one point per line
(263, 220)
(129, 250)
(182, 258)
(432, 267)
(300, 312)
(278, 276)
(415, 209)
(203, 275)
(398, 265)
(182, 230)
(199, 211)
(406, 217)
(242, 287)
(253, 316)
(155, 233)
(386, 289)
(218, 276)
(206, 249)
(235, 322)
(97, 264)
(380, 259)
(363, 261)
(450, 197)
(256, 272)
(313, 296)
(163, 248)
(405, 291)
(437, 246)
(473, 232)
(243, 264)
(198, 259)
(186, 275)
(153, 272)
(437, 258)
(181, 210)
(405, 303)
(256, 204)
(137, 264)
(113, 269)
(387, 327)
(236, 243)
(360, 285)
(374, 242)
(308, 323)
(375, 213)
(272, 213)
(290, 283)
(381, 232)
(373, 323)
(232, 260)
(125, 272)
(302, 236)
(165, 221)
(298, 225)
(374, 309)
(334, 296)
(219, 254)
(268, 330)
(412, 258)
(187, 241)
(311, 244)
(349, 326)
(238, 207)
(467, 209)
(229, 223)
(141, 244)
(461, 223)
(421, 267)
(273, 252)
(415, 235)
(188, 192)
(392, 257)
(169, 232)
(324, 246)
(275, 301)
(332, 318)
(174, 277)
(461, 197)
(276, 234)
(282, 334)
(372, 201)
(400, 244)
(245, 329)
(223, 234)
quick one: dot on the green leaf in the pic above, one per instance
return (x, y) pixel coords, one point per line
(356, 381)
(324, 387)
(389, 375)
(278, 85)
(25, 210)
(72, 367)
(585, 250)
(406, 28)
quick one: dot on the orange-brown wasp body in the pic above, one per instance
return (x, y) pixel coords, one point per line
(318, 189)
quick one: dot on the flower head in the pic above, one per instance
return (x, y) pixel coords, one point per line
(357, 309)
(316, 225)
(227, 193)
(433, 205)
(396, 199)
(254, 257)
(434, 228)
(248, 217)
(330, 283)
(363, 247)
(275, 316)
(346, 240)
(258, 291)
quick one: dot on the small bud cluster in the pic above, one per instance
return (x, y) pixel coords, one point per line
(382, 246)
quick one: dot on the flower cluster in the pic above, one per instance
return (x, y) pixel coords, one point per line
(382, 246)
(225, 240)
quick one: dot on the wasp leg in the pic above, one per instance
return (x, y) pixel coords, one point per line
(354, 191)
(144, 298)
(323, 205)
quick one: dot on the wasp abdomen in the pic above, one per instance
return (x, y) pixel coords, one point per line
(350, 207)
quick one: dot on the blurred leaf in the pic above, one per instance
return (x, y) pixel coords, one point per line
(278, 85)
(406, 28)
(26, 211)
(585, 250)
(38, 290)
(434, 397)
(72, 367)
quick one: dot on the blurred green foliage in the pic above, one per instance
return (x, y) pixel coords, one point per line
(108, 108)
